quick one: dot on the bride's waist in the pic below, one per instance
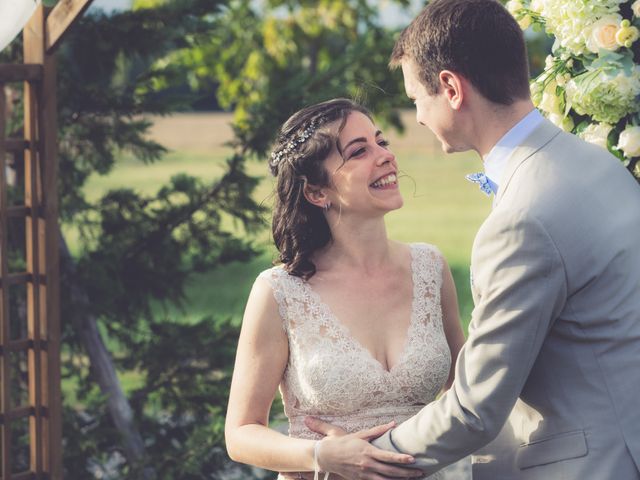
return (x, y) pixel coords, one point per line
(351, 421)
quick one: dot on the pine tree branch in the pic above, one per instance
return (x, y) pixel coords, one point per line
(145, 242)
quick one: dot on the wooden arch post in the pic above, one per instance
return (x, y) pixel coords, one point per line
(30, 354)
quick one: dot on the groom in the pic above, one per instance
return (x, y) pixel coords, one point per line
(548, 382)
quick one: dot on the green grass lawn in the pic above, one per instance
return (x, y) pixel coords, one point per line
(441, 208)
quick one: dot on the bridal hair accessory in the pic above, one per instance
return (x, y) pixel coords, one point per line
(316, 467)
(276, 157)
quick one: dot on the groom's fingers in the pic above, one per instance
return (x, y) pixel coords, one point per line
(318, 426)
(385, 470)
(374, 432)
(391, 457)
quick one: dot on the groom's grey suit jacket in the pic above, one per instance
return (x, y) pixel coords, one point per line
(553, 352)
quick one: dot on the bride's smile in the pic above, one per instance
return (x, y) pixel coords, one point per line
(386, 182)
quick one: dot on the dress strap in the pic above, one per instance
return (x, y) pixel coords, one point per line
(290, 294)
(428, 264)
(276, 277)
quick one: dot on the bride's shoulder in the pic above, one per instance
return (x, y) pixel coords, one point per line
(273, 275)
(429, 259)
(426, 249)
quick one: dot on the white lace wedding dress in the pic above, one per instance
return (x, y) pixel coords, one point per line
(331, 376)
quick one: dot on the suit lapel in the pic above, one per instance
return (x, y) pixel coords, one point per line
(543, 134)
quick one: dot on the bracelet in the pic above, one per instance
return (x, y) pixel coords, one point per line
(316, 466)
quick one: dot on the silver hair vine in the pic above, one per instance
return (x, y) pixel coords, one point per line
(292, 145)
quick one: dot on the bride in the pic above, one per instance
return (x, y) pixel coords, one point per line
(357, 330)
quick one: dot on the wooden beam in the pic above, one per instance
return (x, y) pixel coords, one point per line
(18, 412)
(20, 345)
(49, 260)
(19, 72)
(40, 130)
(60, 20)
(5, 367)
(22, 278)
(18, 211)
(16, 145)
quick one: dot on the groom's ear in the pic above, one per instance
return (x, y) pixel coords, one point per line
(453, 85)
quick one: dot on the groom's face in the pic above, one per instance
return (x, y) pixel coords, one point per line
(432, 111)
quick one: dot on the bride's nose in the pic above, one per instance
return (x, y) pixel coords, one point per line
(385, 156)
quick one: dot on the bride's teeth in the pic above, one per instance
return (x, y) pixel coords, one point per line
(391, 178)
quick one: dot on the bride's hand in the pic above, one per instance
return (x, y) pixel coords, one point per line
(352, 456)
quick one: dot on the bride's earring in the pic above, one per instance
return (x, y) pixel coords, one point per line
(326, 206)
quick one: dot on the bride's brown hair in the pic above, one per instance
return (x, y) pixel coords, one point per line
(303, 143)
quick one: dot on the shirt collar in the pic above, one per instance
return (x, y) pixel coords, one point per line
(496, 161)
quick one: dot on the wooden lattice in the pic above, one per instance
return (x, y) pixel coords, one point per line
(30, 408)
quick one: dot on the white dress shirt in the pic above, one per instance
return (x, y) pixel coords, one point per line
(496, 160)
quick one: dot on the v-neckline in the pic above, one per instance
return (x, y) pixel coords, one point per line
(349, 335)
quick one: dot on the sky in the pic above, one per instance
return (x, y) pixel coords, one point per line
(391, 15)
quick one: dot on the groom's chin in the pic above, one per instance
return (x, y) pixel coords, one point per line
(446, 148)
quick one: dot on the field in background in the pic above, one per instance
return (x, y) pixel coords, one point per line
(441, 207)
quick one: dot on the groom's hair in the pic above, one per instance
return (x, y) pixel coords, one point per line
(478, 39)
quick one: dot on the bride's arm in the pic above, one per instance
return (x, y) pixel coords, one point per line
(261, 359)
(451, 319)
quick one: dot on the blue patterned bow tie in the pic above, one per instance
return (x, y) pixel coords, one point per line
(485, 183)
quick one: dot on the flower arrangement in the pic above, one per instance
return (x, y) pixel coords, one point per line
(591, 81)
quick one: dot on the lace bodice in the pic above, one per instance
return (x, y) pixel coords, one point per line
(331, 376)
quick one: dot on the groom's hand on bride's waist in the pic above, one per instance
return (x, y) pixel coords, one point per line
(352, 456)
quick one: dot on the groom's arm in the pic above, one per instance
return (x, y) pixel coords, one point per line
(521, 288)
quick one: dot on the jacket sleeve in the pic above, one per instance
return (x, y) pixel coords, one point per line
(520, 286)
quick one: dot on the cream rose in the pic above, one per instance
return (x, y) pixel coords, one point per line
(635, 6)
(629, 141)
(565, 123)
(603, 34)
(538, 5)
(597, 134)
(514, 6)
(550, 103)
(525, 22)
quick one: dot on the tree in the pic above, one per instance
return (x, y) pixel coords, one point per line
(137, 251)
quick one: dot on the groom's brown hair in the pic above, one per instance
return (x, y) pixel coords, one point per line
(478, 39)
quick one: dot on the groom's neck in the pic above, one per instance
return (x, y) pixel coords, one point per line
(492, 121)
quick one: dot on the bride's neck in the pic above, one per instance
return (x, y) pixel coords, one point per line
(361, 245)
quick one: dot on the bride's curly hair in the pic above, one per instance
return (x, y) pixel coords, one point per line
(302, 145)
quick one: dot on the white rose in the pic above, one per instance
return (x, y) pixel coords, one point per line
(549, 60)
(538, 5)
(514, 6)
(629, 141)
(525, 22)
(635, 6)
(562, 79)
(602, 34)
(565, 123)
(597, 134)
(550, 103)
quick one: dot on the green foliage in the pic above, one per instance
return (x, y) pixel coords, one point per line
(291, 54)
(138, 250)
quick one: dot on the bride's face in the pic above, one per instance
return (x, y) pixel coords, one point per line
(364, 172)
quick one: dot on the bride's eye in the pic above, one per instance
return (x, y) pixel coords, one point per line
(358, 152)
(384, 143)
